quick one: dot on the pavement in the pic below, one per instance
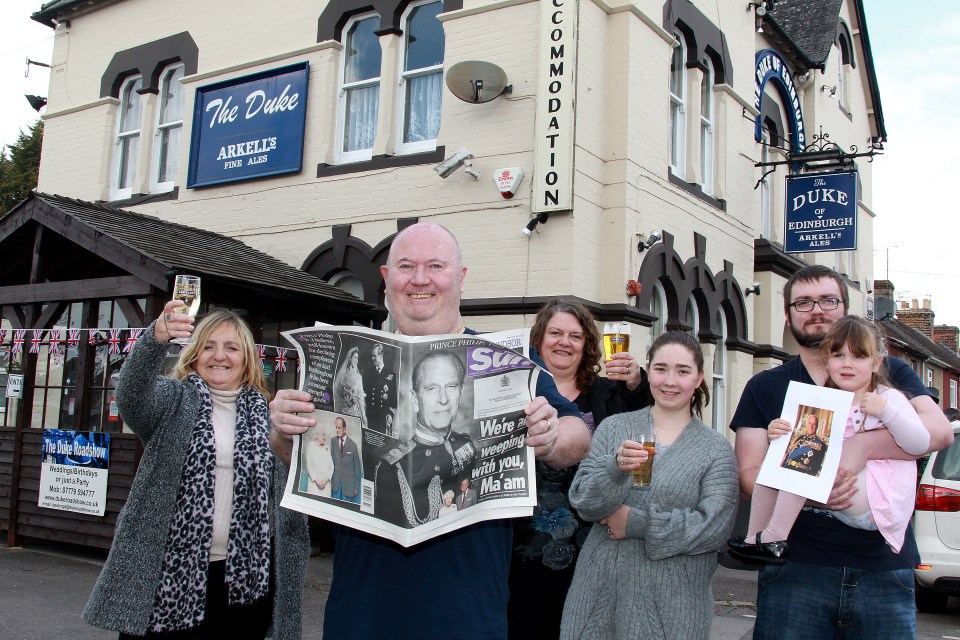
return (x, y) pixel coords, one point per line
(44, 586)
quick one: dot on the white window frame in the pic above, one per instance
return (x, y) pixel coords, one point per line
(692, 316)
(418, 146)
(707, 120)
(165, 129)
(131, 85)
(719, 386)
(343, 89)
(953, 394)
(678, 108)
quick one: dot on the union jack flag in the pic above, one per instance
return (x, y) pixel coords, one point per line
(73, 338)
(36, 337)
(132, 338)
(262, 352)
(114, 341)
(281, 359)
(94, 335)
(19, 335)
(55, 347)
(3, 335)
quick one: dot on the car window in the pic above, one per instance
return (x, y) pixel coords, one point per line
(947, 466)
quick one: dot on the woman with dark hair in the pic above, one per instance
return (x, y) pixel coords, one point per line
(646, 567)
(202, 548)
(545, 546)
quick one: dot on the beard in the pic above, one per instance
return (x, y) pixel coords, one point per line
(808, 340)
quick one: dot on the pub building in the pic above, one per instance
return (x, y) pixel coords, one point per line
(572, 146)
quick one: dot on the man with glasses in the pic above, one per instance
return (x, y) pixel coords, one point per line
(851, 584)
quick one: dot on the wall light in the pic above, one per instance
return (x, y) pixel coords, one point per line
(540, 218)
(645, 243)
(755, 290)
(831, 91)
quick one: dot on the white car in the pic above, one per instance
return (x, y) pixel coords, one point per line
(936, 523)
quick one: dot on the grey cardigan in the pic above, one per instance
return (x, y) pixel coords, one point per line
(655, 583)
(162, 412)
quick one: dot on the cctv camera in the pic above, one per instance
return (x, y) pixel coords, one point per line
(459, 159)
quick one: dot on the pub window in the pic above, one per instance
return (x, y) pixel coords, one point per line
(55, 383)
(359, 88)
(766, 186)
(168, 130)
(953, 394)
(706, 127)
(678, 118)
(844, 63)
(658, 309)
(421, 78)
(719, 391)
(127, 139)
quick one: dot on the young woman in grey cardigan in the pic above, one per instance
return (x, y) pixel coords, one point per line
(201, 548)
(645, 569)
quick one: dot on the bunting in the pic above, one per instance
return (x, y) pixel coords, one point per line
(132, 337)
(73, 338)
(262, 352)
(114, 341)
(94, 334)
(19, 335)
(36, 337)
(56, 348)
(281, 359)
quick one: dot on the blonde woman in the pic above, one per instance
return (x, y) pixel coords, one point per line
(202, 548)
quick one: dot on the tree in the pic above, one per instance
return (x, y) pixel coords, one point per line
(19, 167)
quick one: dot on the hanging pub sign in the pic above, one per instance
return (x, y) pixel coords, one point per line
(821, 212)
(249, 127)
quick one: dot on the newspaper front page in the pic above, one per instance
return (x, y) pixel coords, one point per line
(415, 436)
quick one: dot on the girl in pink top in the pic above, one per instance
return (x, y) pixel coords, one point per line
(884, 500)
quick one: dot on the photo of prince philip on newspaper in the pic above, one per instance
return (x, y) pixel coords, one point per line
(415, 436)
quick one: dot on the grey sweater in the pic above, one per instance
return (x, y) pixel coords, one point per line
(654, 584)
(162, 412)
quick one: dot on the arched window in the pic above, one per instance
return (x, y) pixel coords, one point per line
(766, 187)
(359, 88)
(692, 318)
(128, 139)
(166, 150)
(678, 107)
(844, 63)
(718, 395)
(421, 77)
(658, 308)
(706, 127)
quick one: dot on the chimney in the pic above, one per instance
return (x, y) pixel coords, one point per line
(883, 304)
(920, 319)
(947, 336)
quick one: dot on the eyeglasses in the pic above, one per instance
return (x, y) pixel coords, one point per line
(825, 304)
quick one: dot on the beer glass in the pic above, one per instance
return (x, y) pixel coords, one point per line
(186, 289)
(616, 339)
(643, 474)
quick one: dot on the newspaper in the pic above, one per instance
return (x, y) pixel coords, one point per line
(415, 436)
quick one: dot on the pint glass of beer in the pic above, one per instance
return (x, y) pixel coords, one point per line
(616, 339)
(643, 474)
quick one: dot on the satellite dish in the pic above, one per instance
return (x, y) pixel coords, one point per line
(476, 82)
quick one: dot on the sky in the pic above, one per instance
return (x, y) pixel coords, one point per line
(914, 232)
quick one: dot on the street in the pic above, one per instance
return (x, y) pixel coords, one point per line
(43, 588)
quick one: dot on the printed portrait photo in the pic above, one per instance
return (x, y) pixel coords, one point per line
(808, 442)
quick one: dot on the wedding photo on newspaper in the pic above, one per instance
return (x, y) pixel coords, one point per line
(414, 436)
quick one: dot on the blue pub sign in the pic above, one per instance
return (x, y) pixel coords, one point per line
(821, 212)
(249, 127)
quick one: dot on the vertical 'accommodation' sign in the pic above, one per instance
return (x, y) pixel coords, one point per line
(249, 127)
(553, 172)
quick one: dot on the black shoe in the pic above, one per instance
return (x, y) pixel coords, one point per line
(730, 561)
(765, 552)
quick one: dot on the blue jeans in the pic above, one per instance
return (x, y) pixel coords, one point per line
(808, 602)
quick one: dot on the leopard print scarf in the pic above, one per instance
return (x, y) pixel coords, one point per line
(181, 596)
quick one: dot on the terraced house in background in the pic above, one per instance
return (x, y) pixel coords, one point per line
(275, 150)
